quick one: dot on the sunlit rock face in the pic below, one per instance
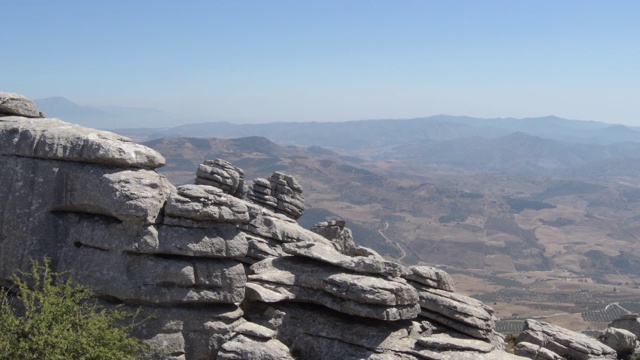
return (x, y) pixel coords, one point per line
(226, 271)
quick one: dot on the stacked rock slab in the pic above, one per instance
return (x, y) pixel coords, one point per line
(340, 235)
(202, 260)
(559, 343)
(16, 104)
(280, 192)
(223, 175)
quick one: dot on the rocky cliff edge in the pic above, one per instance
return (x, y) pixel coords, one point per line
(223, 266)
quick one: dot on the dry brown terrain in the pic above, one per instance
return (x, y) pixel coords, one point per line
(564, 250)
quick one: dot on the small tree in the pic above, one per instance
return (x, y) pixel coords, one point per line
(52, 320)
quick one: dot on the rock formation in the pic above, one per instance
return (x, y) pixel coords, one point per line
(16, 104)
(225, 277)
(629, 322)
(541, 340)
(280, 193)
(222, 174)
(620, 340)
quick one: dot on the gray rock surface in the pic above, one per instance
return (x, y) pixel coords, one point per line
(188, 333)
(445, 342)
(20, 105)
(57, 140)
(288, 278)
(207, 205)
(629, 322)
(242, 347)
(459, 312)
(223, 175)
(535, 352)
(260, 248)
(620, 340)
(328, 254)
(267, 224)
(340, 235)
(145, 279)
(331, 335)
(566, 343)
(281, 193)
(431, 277)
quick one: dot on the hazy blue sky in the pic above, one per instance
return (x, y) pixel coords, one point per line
(330, 60)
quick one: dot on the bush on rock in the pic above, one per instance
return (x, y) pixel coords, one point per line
(53, 319)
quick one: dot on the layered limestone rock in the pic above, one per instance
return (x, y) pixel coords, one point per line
(315, 332)
(340, 235)
(254, 342)
(559, 343)
(280, 192)
(16, 104)
(202, 259)
(300, 280)
(431, 277)
(620, 340)
(629, 322)
(223, 175)
(57, 140)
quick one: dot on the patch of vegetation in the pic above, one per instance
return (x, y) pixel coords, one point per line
(457, 217)
(631, 195)
(559, 222)
(356, 171)
(326, 163)
(607, 314)
(600, 262)
(200, 143)
(473, 196)
(54, 319)
(519, 205)
(568, 188)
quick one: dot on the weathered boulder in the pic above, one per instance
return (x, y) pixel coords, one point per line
(291, 278)
(203, 206)
(431, 277)
(254, 342)
(223, 175)
(41, 194)
(281, 193)
(462, 313)
(147, 279)
(620, 340)
(329, 334)
(444, 342)
(566, 343)
(267, 224)
(340, 235)
(243, 347)
(57, 140)
(20, 105)
(328, 254)
(629, 322)
(187, 333)
(535, 352)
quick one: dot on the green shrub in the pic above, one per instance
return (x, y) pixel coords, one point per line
(58, 320)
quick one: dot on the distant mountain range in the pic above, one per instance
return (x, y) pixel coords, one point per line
(366, 134)
(532, 146)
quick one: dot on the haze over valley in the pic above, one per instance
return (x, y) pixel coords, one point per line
(538, 217)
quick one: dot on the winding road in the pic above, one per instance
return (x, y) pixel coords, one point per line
(404, 253)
